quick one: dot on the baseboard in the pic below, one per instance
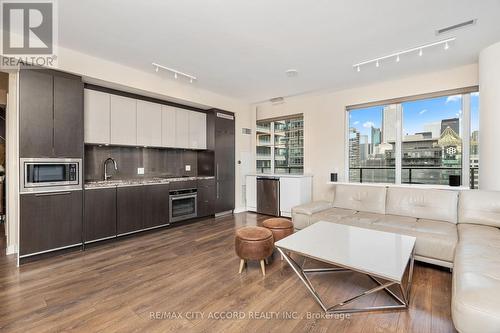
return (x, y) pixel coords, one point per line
(240, 210)
(11, 249)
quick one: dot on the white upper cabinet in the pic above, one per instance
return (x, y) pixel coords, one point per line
(118, 120)
(182, 128)
(123, 120)
(97, 116)
(149, 124)
(197, 130)
(168, 130)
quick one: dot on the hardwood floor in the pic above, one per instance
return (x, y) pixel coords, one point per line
(183, 278)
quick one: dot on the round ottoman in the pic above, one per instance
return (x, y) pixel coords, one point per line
(254, 243)
(280, 227)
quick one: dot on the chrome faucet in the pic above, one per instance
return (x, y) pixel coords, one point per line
(106, 176)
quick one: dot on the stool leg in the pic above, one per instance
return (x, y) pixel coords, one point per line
(267, 261)
(263, 267)
(242, 264)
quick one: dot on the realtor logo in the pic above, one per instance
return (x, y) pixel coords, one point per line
(29, 31)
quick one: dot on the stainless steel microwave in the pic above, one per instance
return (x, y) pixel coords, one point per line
(50, 174)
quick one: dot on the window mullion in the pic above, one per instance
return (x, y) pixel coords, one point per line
(465, 129)
(399, 145)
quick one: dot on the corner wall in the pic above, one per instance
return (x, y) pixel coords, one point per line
(325, 116)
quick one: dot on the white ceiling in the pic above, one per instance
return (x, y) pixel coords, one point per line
(242, 48)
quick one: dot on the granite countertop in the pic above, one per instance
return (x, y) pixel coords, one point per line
(139, 181)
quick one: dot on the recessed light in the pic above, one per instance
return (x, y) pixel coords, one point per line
(291, 72)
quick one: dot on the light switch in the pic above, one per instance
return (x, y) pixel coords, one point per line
(188, 167)
(140, 171)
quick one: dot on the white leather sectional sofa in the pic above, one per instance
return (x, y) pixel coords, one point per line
(458, 229)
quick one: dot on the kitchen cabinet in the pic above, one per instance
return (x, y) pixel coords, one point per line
(50, 114)
(206, 194)
(97, 116)
(156, 199)
(182, 128)
(224, 151)
(197, 130)
(130, 205)
(168, 126)
(99, 214)
(118, 120)
(149, 122)
(123, 130)
(50, 221)
(68, 116)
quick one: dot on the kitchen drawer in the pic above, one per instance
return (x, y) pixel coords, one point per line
(183, 184)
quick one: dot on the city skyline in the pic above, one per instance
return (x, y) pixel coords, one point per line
(418, 116)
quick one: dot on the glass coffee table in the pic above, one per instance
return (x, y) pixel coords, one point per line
(384, 256)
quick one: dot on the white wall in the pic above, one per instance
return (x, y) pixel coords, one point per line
(324, 116)
(489, 64)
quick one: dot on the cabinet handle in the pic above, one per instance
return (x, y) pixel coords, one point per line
(51, 194)
(217, 190)
(217, 171)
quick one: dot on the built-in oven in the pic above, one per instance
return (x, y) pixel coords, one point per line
(183, 204)
(50, 174)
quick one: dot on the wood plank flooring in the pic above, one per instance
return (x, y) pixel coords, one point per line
(185, 279)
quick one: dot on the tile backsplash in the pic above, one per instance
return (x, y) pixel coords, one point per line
(156, 162)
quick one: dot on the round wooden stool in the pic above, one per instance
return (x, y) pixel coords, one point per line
(280, 227)
(254, 243)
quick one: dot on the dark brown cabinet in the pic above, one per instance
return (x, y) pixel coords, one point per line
(35, 113)
(206, 197)
(130, 205)
(50, 221)
(50, 114)
(99, 214)
(221, 139)
(68, 116)
(155, 205)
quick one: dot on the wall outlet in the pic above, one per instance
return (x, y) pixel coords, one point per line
(140, 171)
(188, 167)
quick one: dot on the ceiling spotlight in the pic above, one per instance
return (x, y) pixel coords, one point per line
(176, 73)
(175, 76)
(191, 80)
(377, 64)
(397, 58)
(420, 53)
(157, 69)
(291, 72)
(446, 46)
(358, 69)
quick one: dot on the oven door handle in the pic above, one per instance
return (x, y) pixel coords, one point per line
(175, 197)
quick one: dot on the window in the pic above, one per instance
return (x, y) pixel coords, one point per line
(372, 138)
(280, 145)
(431, 147)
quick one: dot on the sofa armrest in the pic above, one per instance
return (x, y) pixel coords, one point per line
(312, 207)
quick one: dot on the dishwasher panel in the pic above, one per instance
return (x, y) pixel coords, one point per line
(268, 196)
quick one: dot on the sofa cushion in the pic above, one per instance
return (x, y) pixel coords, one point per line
(479, 207)
(476, 279)
(312, 207)
(435, 239)
(360, 198)
(303, 220)
(429, 204)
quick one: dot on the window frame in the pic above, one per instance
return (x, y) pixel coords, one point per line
(465, 126)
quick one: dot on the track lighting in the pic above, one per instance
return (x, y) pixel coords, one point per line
(419, 49)
(176, 72)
